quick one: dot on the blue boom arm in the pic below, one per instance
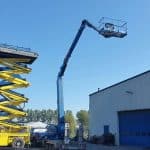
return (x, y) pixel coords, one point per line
(60, 101)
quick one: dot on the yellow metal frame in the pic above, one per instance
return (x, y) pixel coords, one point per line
(12, 67)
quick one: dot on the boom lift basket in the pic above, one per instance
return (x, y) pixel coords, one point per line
(112, 28)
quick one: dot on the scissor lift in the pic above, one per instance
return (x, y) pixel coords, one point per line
(13, 62)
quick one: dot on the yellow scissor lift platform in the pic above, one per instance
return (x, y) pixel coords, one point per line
(13, 62)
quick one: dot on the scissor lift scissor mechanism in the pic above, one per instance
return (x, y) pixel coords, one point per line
(13, 63)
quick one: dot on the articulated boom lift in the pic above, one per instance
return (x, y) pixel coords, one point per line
(108, 28)
(13, 62)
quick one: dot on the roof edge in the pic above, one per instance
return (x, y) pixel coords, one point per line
(148, 71)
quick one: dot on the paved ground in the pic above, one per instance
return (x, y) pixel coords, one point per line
(101, 147)
(92, 147)
(7, 148)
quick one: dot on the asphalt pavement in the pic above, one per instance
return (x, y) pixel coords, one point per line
(101, 147)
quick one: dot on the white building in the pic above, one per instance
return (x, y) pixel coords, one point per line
(124, 110)
(37, 125)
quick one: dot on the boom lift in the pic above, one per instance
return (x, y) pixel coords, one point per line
(108, 28)
(13, 62)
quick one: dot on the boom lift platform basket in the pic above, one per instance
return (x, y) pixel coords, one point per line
(13, 62)
(112, 28)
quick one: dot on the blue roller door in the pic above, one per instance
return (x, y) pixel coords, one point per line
(134, 128)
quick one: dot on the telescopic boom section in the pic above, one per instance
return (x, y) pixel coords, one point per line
(73, 45)
(60, 102)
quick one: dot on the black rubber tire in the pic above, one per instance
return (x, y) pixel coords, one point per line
(18, 143)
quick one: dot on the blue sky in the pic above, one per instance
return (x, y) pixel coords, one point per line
(48, 27)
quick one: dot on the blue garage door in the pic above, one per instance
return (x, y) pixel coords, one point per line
(134, 128)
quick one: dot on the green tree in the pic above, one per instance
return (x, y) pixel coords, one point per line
(49, 116)
(83, 118)
(54, 117)
(43, 115)
(29, 117)
(69, 118)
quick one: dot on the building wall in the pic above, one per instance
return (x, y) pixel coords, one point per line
(133, 94)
